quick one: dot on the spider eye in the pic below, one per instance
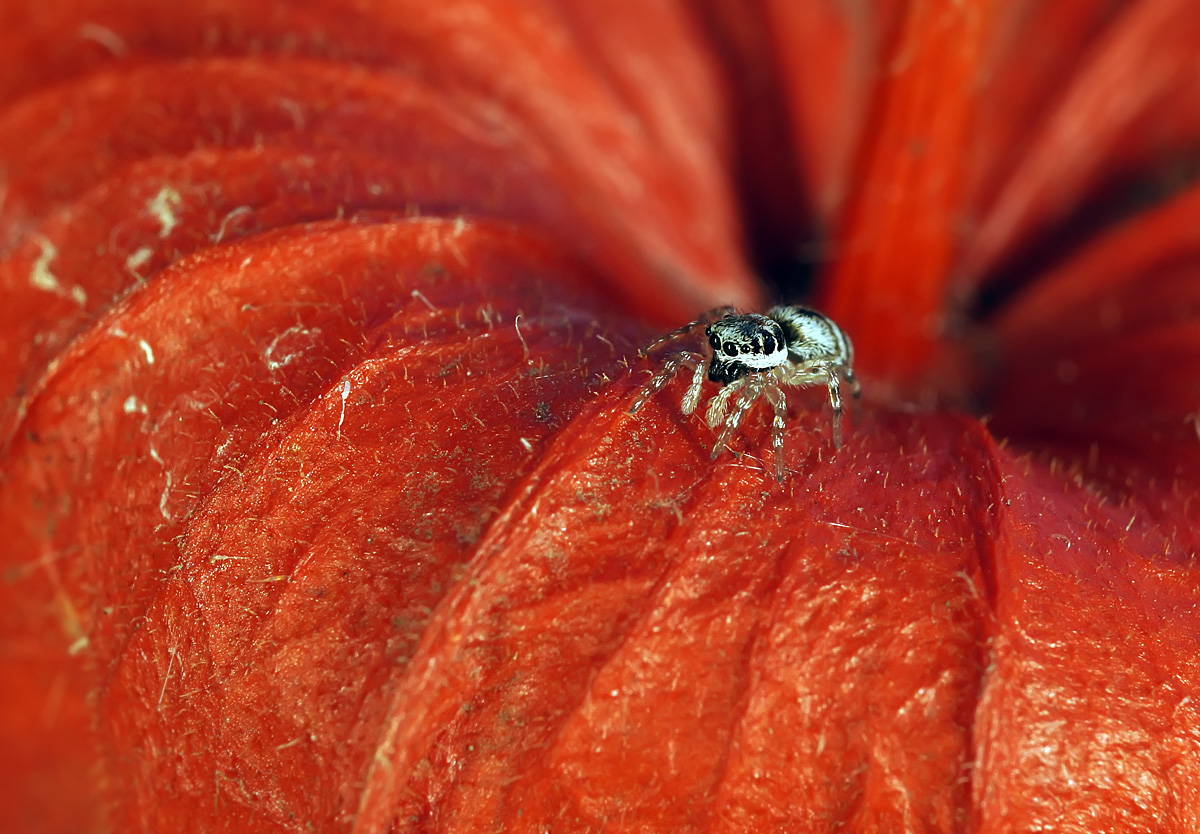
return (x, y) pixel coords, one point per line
(715, 342)
(768, 343)
(730, 350)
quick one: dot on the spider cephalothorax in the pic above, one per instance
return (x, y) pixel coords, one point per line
(752, 355)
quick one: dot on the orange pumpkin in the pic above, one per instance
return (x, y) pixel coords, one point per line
(322, 507)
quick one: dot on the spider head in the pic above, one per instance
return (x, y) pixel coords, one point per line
(744, 345)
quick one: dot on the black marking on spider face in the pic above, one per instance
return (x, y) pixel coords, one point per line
(744, 345)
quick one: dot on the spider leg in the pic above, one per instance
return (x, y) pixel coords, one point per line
(707, 317)
(779, 401)
(748, 396)
(835, 399)
(692, 397)
(715, 415)
(855, 387)
(669, 368)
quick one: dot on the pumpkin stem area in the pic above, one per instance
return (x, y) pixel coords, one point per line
(892, 281)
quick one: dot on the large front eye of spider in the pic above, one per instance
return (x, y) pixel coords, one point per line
(730, 350)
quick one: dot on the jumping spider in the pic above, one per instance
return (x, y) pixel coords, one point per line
(752, 355)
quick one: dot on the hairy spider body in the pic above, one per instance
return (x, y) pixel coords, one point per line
(754, 355)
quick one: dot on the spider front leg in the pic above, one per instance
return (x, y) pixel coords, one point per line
(835, 399)
(707, 317)
(779, 401)
(692, 398)
(656, 383)
(749, 395)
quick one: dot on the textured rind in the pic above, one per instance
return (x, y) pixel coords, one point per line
(322, 508)
(718, 655)
(605, 626)
(148, 421)
(134, 135)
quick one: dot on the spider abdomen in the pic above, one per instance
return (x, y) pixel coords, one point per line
(812, 336)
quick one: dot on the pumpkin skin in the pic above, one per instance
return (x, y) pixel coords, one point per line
(323, 509)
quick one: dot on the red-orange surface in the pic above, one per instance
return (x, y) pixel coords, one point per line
(321, 508)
